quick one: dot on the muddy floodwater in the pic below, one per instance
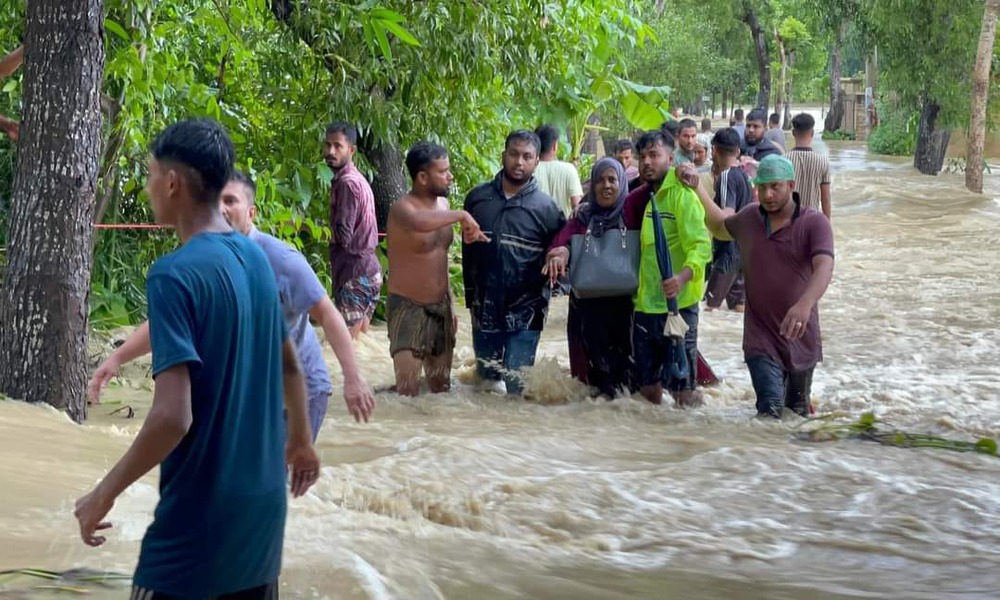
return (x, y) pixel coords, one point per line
(474, 496)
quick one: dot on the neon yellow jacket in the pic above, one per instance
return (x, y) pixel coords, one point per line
(690, 244)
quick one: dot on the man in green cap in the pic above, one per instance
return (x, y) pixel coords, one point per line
(787, 253)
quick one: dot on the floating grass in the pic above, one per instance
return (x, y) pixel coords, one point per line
(72, 581)
(870, 428)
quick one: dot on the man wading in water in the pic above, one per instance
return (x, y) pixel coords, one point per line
(505, 290)
(682, 221)
(222, 360)
(301, 295)
(357, 274)
(787, 255)
(420, 310)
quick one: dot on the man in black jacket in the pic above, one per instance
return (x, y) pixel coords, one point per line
(755, 144)
(505, 289)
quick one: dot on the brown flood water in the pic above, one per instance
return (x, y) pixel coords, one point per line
(473, 496)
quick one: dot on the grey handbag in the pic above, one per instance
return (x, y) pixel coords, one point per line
(605, 266)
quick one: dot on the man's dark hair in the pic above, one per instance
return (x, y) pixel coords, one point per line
(622, 146)
(727, 140)
(548, 135)
(652, 138)
(803, 123)
(706, 124)
(345, 129)
(738, 114)
(523, 135)
(687, 124)
(672, 127)
(757, 114)
(241, 177)
(422, 154)
(204, 148)
(774, 119)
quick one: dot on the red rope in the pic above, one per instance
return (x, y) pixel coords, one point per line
(128, 226)
(145, 226)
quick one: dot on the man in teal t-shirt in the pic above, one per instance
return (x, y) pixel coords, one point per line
(222, 361)
(683, 221)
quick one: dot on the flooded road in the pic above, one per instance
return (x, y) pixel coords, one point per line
(472, 496)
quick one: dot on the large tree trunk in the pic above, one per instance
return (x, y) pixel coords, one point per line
(787, 117)
(760, 48)
(980, 97)
(43, 307)
(388, 183)
(932, 141)
(835, 116)
(779, 96)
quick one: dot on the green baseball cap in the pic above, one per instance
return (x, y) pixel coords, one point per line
(774, 168)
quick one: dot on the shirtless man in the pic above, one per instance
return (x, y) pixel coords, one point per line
(420, 309)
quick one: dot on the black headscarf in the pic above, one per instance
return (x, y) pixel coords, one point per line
(595, 217)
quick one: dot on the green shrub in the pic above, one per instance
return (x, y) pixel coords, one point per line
(838, 135)
(896, 134)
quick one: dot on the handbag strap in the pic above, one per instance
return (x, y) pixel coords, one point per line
(621, 227)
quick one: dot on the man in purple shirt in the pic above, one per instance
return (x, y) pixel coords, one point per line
(787, 253)
(356, 272)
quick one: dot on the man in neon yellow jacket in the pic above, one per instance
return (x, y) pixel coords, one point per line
(683, 221)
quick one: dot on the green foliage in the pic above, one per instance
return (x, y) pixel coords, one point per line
(700, 47)
(926, 50)
(838, 135)
(868, 427)
(460, 73)
(896, 134)
(959, 164)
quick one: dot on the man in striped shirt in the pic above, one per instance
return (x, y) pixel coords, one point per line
(812, 170)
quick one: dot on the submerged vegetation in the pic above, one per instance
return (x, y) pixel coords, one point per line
(868, 427)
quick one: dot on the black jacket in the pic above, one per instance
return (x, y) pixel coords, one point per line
(504, 286)
(758, 151)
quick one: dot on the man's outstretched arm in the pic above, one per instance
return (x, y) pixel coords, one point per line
(11, 62)
(715, 217)
(357, 394)
(167, 423)
(137, 344)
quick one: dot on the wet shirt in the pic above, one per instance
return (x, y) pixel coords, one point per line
(683, 221)
(219, 524)
(299, 290)
(761, 149)
(732, 190)
(777, 267)
(505, 288)
(353, 227)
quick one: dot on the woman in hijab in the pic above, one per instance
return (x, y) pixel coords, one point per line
(599, 330)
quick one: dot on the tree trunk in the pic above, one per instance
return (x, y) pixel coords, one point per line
(388, 183)
(763, 59)
(932, 141)
(980, 97)
(779, 96)
(787, 117)
(835, 116)
(725, 106)
(43, 307)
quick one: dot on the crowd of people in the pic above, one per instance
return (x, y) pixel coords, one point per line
(672, 219)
